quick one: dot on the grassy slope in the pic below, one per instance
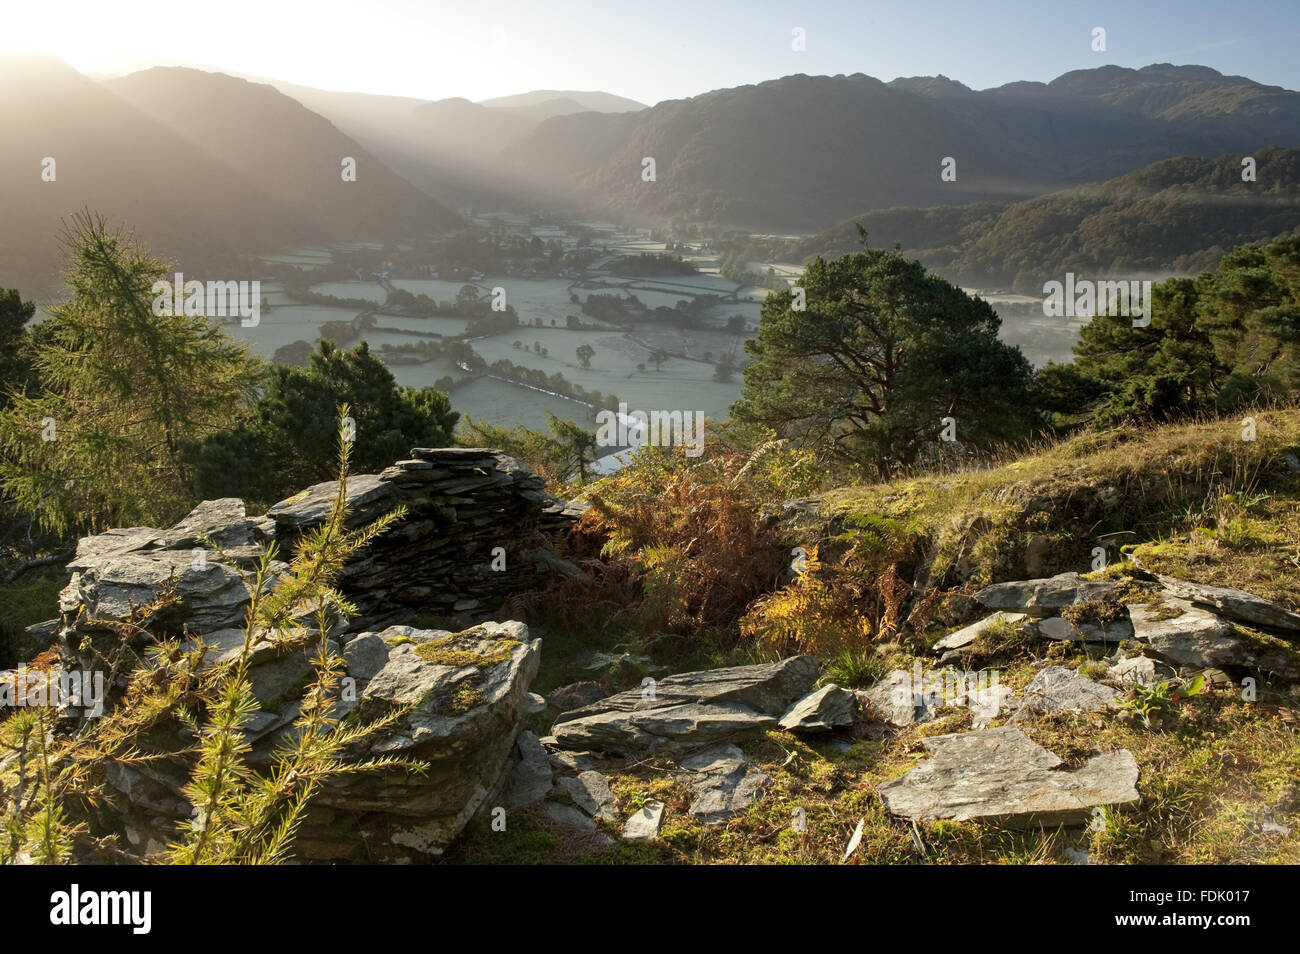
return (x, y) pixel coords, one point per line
(1197, 502)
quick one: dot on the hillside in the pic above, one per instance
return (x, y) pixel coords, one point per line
(295, 153)
(1176, 216)
(134, 150)
(792, 153)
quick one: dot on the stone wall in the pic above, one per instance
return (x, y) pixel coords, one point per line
(417, 587)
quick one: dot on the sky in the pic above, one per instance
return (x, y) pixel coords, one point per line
(650, 50)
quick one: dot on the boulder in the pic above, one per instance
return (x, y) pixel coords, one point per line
(465, 693)
(690, 710)
(825, 710)
(999, 775)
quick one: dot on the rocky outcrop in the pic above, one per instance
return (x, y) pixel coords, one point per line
(474, 530)
(1183, 625)
(462, 695)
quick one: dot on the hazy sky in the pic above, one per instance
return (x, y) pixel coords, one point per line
(651, 50)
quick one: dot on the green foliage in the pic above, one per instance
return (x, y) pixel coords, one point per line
(1227, 340)
(883, 352)
(284, 446)
(15, 357)
(564, 455)
(1155, 702)
(240, 816)
(121, 391)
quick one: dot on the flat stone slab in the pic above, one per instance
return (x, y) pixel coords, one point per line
(824, 710)
(590, 791)
(1061, 629)
(1000, 776)
(1044, 597)
(688, 711)
(311, 506)
(968, 634)
(1196, 637)
(1234, 604)
(725, 783)
(644, 825)
(1058, 689)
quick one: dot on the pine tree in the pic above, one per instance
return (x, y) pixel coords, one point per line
(122, 390)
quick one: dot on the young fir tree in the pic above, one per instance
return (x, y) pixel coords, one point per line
(122, 389)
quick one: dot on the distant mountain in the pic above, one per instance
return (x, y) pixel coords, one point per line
(287, 149)
(1176, 216)
(794, 153)
(593, 100)
(204, 167)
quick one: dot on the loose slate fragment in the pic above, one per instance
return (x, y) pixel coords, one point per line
(825, 710)
(968, 634)
(644, 824)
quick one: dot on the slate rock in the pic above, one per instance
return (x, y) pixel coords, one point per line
(1196, 637)
(644, 824)
(1139, 671)
(895, 700)
(725, 783)
(1058, 689)
(531, 778)
(1234, 604)
(1061, 630)
(365, 655)
(590, 791)
(968, 634)
(999, 775)
(689, 710)
(824, 710)
(1044, 597)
